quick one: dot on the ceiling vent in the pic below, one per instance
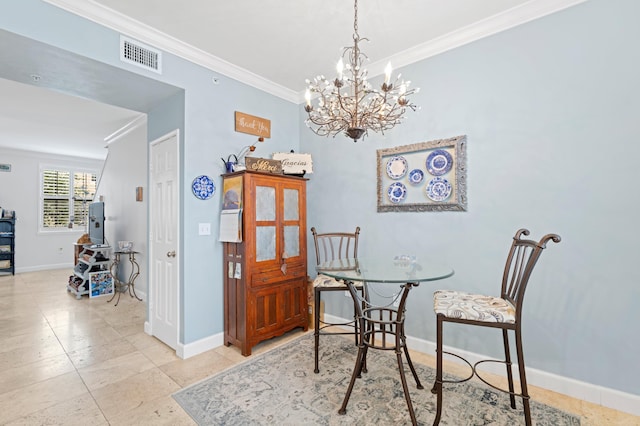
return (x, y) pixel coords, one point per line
(136, 53)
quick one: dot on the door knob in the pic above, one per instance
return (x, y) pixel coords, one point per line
(171, 253)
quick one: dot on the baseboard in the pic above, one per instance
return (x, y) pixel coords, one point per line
(595, 394)
(192, 349)
(142, 295)
(37, 268)
(200, 346)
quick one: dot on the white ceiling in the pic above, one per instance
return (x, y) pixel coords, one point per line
(43, 120)
(289, 41)
(272, 44)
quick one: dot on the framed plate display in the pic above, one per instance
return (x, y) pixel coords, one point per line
(426, 176)
(203, 187)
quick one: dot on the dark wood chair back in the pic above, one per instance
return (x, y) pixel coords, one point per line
(522, 258)
(335, 245)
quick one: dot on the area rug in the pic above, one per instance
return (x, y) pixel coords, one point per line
(279, 387)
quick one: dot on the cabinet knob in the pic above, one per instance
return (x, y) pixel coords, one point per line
(171, 253)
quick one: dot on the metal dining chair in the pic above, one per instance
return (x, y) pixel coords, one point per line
(332, 246)
(502, 313)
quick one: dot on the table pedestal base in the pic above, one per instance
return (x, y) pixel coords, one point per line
(121, 286)
(382, 328)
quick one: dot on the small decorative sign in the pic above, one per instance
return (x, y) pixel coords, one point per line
(264, 165)
(294, 163)
(253, 125)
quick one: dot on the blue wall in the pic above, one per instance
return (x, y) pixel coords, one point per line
(550, 110)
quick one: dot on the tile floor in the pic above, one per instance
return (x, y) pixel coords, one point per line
(66, 361)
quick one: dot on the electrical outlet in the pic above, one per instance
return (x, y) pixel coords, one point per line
(346, 294)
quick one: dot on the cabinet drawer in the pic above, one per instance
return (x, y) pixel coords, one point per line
(276, 275)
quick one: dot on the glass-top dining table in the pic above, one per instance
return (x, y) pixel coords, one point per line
(381, 325)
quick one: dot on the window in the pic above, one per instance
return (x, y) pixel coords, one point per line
(65, 197)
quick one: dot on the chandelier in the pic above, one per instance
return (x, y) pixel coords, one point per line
(349, 103)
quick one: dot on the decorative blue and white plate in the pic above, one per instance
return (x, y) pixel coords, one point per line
(416, 176)
(397, 167)
(438, 189)
(397, 192)
(439, 162)
(203, 187)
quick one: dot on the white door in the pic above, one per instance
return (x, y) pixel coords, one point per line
(164, 267)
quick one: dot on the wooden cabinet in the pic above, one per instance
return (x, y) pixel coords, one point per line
(265, 275)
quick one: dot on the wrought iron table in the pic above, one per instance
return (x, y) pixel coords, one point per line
(382, 326)
(122, 286)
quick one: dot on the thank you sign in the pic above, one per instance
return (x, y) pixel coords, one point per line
(253, 125)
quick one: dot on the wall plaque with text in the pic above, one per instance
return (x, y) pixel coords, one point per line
(263, 165)
(294, 163)
(253, 125)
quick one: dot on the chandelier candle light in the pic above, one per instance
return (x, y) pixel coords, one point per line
(349, 103)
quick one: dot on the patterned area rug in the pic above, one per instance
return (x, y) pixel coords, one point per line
(280, 388)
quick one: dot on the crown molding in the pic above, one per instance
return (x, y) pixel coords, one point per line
(134, 124)
(503, 21)
(123, 24)
(510, 18)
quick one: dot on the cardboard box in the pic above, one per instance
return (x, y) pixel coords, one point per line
(311, 306)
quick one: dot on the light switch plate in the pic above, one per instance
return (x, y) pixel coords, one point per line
(204, 229)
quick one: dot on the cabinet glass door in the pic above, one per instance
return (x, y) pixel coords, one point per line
(292, 241)
(265, 243)
(291, 204)
(291, 232)
(265, 203)
(265, 234)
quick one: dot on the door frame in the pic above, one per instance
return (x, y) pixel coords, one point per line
(148, 326)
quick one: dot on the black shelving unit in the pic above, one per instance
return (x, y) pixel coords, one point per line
(7, 245)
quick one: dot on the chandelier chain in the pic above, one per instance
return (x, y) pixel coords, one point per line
(355, 18)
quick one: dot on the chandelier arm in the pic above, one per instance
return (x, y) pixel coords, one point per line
(346, 111)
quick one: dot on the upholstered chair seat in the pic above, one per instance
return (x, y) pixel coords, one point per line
(324, 281)
(476, 307)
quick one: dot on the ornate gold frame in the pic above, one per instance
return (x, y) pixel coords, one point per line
(415, 198)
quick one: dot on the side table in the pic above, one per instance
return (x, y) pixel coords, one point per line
(122, 286)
